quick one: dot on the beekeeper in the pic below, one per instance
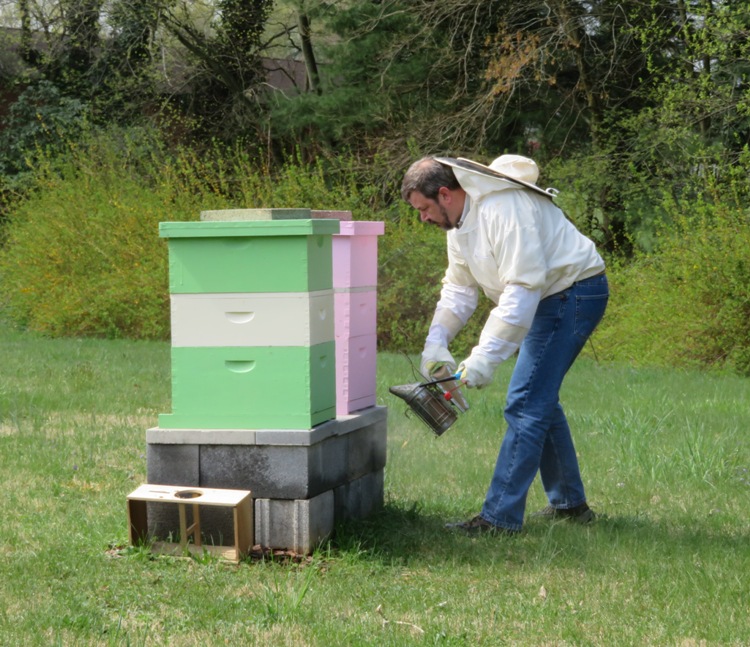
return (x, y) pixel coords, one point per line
(506, 236)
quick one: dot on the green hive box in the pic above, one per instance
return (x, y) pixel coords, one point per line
(279, 387)
(250, 256)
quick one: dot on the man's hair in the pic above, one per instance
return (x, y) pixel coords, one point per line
(427, 176)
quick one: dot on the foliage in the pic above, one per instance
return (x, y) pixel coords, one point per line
(638, 113)
(369, 80)
(411, 259)
(83, 255)
(688, 304)
(226, 61)
(124, 77)
(41, 120)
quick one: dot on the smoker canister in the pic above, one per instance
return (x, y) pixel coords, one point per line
(429, 403)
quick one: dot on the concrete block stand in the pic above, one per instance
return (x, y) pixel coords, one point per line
(302, 481)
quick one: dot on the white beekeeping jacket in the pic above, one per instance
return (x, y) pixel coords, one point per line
(516, 245)
(513, 236)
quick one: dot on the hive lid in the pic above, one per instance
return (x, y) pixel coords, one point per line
(223, 229)
(224, 215)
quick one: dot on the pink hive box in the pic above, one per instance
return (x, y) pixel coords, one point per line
(355, 313)
(355, 278)
(355, 254)
(355, 373)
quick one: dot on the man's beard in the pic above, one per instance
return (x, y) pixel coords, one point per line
(447, 224)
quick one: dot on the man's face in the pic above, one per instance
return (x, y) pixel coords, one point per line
(436, 212)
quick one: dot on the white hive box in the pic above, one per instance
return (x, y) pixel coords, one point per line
(253, 319)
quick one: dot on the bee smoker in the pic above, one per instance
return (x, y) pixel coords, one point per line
(435, 402)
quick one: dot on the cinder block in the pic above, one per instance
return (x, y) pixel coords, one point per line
(259, 319)
(356, 373)
(358, 499)
(355, 313)
(173, 464)
(366, 450)
(339, 426)
(276, 472)
(298, 525)
(355, 254)
(170, 465)
(207, 257)
(271, 387)
(158, 436)
(285, 471)
(343, 458)
(256, 214)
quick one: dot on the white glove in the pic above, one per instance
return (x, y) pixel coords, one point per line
(476, 371)
(433, 357)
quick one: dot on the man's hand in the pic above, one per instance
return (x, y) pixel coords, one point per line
(476, 371)
(433, 357)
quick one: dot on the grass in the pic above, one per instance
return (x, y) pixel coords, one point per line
(665, 456)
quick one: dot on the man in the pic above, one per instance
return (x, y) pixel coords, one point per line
(507, 237)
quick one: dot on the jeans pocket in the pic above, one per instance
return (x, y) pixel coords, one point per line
(589, 312)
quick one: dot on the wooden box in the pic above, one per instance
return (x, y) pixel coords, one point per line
(195, 497)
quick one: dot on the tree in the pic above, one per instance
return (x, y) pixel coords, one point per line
(228, 73)
(125, 77)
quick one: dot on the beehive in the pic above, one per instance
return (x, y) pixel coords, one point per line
(355, 277)
(252, 324)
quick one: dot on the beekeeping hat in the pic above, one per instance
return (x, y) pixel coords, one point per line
(511, 170)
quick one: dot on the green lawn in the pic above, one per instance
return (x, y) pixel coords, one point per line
(665, 455)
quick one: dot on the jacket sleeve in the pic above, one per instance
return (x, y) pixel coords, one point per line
(508, 323)
(459, 296)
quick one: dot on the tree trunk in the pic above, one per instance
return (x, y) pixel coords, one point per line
(313, 78)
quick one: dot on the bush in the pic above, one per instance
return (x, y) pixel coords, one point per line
(687, 304)
(82, 253)
(83, 256)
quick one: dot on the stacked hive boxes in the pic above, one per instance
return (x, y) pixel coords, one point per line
(252, 324)
(355, 277)
(254, 387)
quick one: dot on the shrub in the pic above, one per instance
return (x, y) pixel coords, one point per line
(688, 304)
(82, 255)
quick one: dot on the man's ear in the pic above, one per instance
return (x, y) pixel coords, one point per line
(445, 193)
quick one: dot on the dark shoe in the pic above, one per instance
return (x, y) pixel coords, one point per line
(479, 526)
(579, 514)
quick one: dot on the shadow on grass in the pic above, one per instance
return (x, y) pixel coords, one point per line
(409, 535)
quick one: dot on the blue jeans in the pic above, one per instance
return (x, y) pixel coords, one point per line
(538, 437)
